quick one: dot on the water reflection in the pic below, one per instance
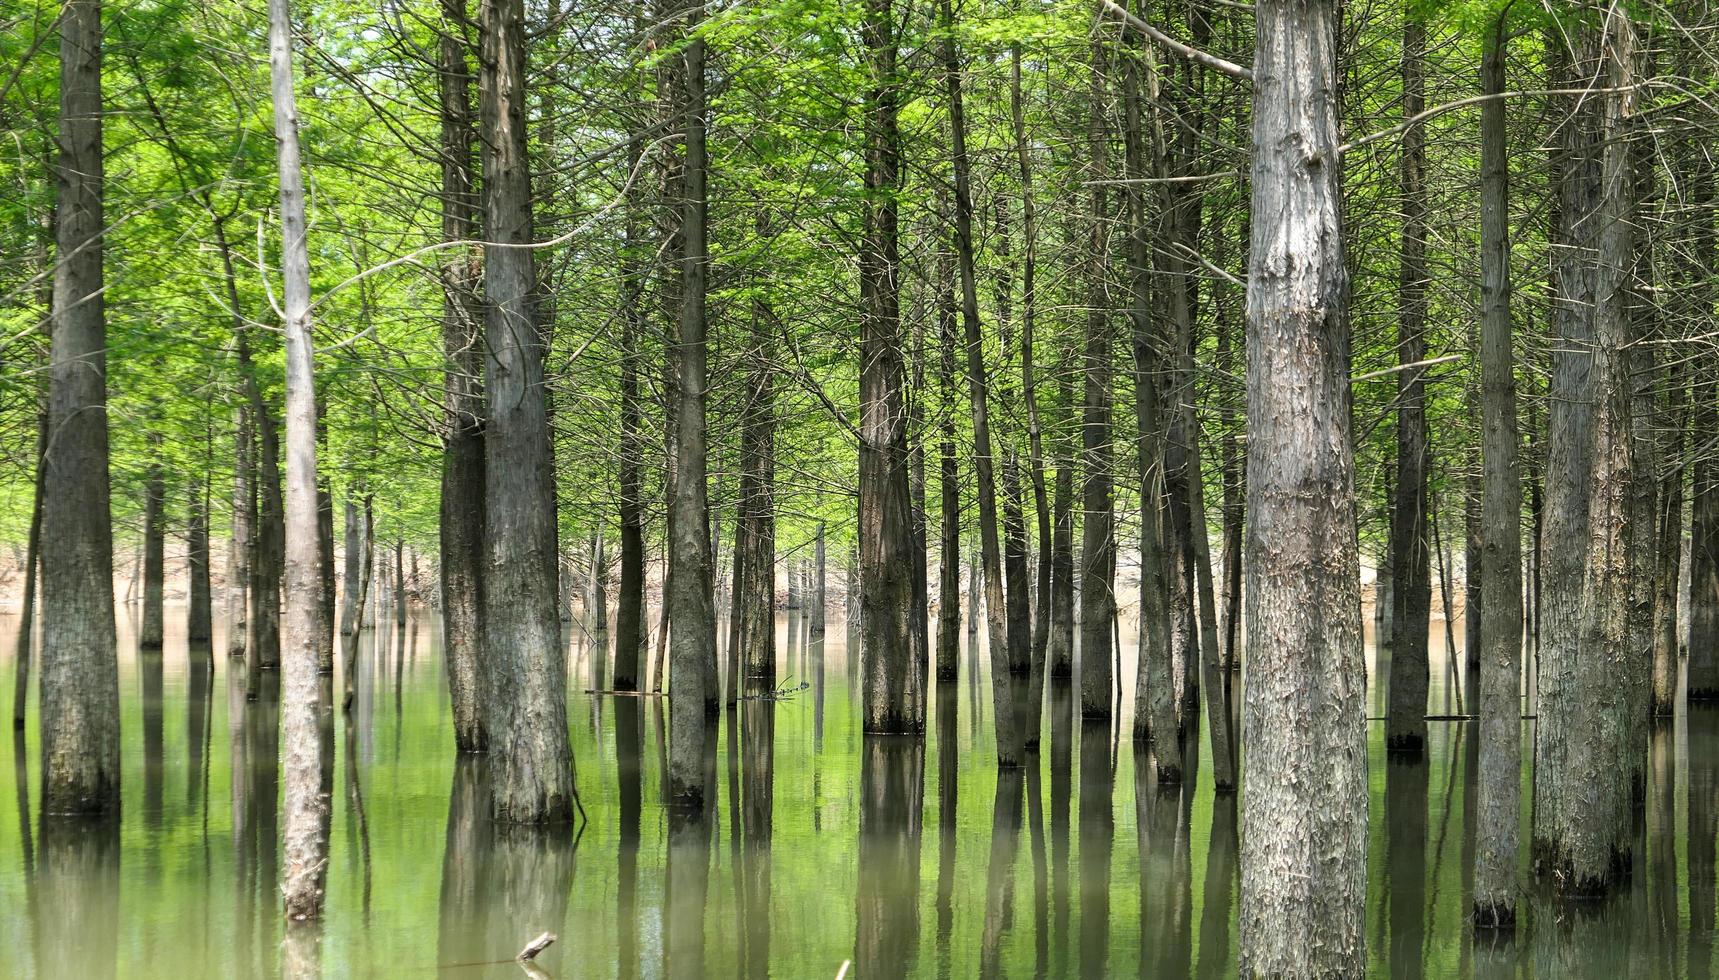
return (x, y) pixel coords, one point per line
(813, 851)
(892, 791)
(74, 904)
(1097, 833)
(1161, 827)
(1405, 857)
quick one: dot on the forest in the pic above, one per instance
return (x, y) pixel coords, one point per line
(759, 487)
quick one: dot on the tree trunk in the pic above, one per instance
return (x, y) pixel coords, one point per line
(1233, 467)
(1697, 276)
(1500, 708)
(524, 665)
(326, 591)
(949, 479)
(32, 564)
(79, 709)
(1154, 691)
(996, 612)
(1098, 540)
(1411, 585)
(268, 542)
(816, 628)
(1303, 892)
(198, 626)
(366, 548)
(1581, 777)
(461, 529)
(305, 834)
(399, 582)
(1060, 650)
(630, 610)
(1029, 388)
(150, 633)
(352, 569)
(1015, 572)
(894, 695)
(755, 530)
(692, 645)
(244, 520)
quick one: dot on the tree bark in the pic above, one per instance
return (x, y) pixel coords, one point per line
(32, 565)
(1582, 773)
(1303, 892)
(996, 613)
(630, 627)
(1500, 707)
(1060, 650)
(894, 694)
(365, 547)
(150, 632)
(463, 480)
(1098, 539)
(949, 479)
(755, 530)
(524, 665)
(243, 521)
(268, 538)
(1029, 385)
(79, 709)
(1154, 689)
(815, 628)
(305, 849)
(1411, 585)
(692, 645)
(198, 625)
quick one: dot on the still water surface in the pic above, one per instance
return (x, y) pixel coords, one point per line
(909, 859)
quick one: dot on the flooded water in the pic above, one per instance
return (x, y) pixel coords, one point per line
(907, 858)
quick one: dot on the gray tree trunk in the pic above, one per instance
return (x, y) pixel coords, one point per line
(351, 569)
(79, 709)
(815, 628)
(150, 633)
(1499, 809)
(1059, 654)
(461, 529)
(630, 608)
(1009, 749)
(1154, 689)
(755, 529)
(692, 644)
(524, 664)
(1411, 584)
(893, 692)
(949, 479)
(305, 849)
(268, 541)
(1303, 887)
(198, 625)
(1029, 385)
(244, 519)
(1098, 538)
(1581, 773)
(32, 566)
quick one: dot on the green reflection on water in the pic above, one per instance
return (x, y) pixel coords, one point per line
(911, 859)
